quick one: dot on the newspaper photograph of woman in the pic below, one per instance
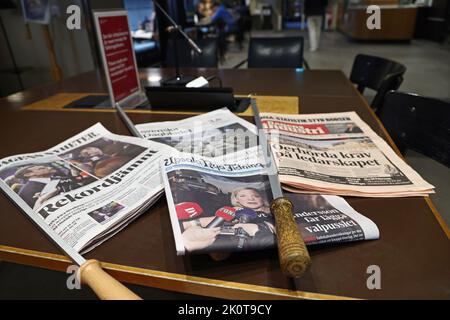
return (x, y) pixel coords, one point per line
(38, 181)
(219, 213)
(102, 156)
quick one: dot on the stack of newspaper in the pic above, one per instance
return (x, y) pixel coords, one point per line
(94, 184)
(222, 204)
(90, 186)
(338, 153)
(218, 191)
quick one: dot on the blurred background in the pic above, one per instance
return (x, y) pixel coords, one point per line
(414, 33)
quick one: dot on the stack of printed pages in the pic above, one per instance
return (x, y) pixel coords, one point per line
(95, 183)
(88, 187)
(218, 191)
(339, 154)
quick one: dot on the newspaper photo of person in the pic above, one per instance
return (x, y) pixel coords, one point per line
(38, 182)
(103, 156)
(106, 213)
(225, 212)
(345, 127)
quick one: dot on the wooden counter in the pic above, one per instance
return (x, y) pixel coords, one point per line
(397, 24)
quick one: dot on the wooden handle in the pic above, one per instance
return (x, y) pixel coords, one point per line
(220, 256)
(104, 286)
(294, 257)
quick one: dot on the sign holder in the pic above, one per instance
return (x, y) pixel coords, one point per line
(119, 62)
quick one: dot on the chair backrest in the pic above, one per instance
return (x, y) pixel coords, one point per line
(284, 52)
(371, 71)
(377, 74)
(418, 123)
(188, 58)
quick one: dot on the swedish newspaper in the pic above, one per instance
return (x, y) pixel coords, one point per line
(222, 204)
(338, 153)
(90, 186)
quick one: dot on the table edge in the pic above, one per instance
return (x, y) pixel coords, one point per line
(391, 142)
(166, 280)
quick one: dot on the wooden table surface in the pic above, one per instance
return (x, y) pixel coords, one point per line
(413, 251)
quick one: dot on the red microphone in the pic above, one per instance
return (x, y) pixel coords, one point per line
(188, 210)
(223, 214)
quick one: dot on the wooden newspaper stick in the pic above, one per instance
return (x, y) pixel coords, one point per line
(104, 286)
(294, 257)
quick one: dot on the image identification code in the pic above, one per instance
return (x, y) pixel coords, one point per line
(226, 309)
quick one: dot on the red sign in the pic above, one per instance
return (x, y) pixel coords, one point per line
(118, 55)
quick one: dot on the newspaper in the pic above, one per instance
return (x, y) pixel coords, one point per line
(90, 186)
(222, 204)
(338, 153)
(212, 134)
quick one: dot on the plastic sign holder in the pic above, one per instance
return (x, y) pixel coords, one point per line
(119, 62)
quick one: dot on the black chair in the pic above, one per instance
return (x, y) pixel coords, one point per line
(188, 58)
(379, 74)
(284, 52)
(418, 123)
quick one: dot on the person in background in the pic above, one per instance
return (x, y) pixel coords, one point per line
(315, 11)
(220, 13)
(200, 10)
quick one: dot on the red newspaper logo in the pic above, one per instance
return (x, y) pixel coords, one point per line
(308, 129)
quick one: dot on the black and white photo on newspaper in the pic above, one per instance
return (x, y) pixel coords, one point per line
(222, 204)
(89, 186)
(211, 134)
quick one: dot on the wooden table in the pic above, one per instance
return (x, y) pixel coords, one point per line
(413, 251)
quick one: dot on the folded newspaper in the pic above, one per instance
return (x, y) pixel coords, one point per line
(90, 186)
(211, 134)
(222, 204)
(338, 153)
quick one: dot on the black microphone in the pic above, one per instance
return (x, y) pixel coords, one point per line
(176, 27)
(245, 215)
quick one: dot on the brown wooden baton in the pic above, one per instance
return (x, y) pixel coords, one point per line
(292, 251)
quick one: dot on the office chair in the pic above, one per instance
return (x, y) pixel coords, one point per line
(188, 58)
(418, 123)
(286, 52)
(379, 74)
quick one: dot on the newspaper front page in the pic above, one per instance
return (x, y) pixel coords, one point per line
(222, 204)
(90, 186)
(338, 153)
(212, 134)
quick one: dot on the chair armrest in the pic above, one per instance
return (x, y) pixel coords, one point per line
(156, 64)
(305, 63)
(240, 64)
